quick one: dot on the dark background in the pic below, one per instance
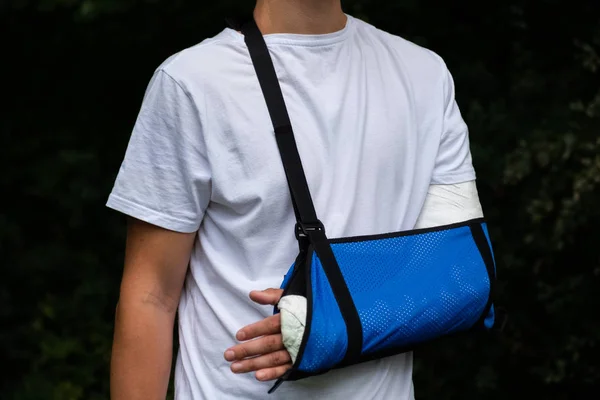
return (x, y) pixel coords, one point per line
(528, 84)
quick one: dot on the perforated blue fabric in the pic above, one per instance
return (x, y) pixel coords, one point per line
(328, 339)
(407, 290)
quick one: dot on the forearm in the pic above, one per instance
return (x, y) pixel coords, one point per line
(142, 347)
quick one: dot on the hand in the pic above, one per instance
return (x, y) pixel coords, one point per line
(263, 350)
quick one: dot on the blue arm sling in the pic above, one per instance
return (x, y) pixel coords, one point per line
(373, 296)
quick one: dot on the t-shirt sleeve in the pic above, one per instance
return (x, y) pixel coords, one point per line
(165, 177)
(453, 163)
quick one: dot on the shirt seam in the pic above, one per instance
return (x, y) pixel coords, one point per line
(467, 170)
(296, 43)
(143, 208)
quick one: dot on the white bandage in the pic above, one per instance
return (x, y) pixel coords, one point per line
(444, 204)
(293, 320)
(449, 204)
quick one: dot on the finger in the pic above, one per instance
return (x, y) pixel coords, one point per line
(267, 296)
(263, 345)
(270, 374)
(268, 326)
(275, 359)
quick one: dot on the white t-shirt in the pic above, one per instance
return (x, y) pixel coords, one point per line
(376, 123)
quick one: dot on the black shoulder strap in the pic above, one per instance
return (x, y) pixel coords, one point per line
(308, 225)
(303, 204)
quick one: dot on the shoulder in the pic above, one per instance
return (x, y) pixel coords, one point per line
(421, 63)
(194, 68)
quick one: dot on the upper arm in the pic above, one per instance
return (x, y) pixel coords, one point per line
(453, 162)
(165, 177)
(156, 262)
(164, 185)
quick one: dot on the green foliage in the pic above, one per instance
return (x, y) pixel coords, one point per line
(528, 83)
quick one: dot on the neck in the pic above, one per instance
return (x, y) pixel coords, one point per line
(313, 17)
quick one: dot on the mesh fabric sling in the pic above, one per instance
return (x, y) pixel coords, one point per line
(373, 296)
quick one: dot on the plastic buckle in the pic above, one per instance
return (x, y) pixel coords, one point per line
(303, 229)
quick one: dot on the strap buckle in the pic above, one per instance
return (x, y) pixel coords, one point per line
(304, 228)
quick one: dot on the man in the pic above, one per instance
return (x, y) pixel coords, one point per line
(376, 124)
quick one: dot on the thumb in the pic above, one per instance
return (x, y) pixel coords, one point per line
(267, 296)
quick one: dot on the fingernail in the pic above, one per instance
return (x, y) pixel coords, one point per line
(235, 367)
(260, 376)
(241, 335)
(229, 355)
